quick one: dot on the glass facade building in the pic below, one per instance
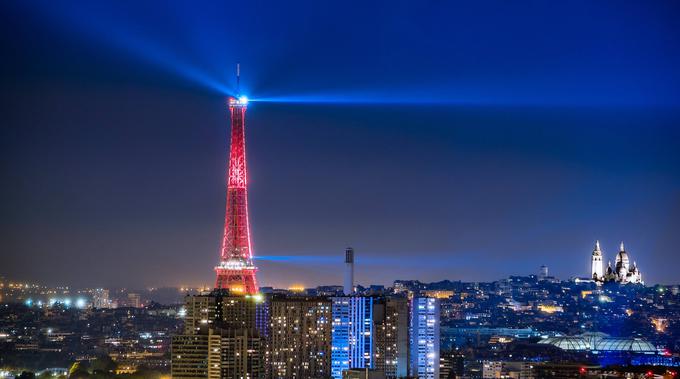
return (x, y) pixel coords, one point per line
(352, 336)
(424, 328)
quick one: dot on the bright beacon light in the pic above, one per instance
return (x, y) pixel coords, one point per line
(243, 100)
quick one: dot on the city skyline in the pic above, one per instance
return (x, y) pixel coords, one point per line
(310, 190)
(341, 271)
(116, 144)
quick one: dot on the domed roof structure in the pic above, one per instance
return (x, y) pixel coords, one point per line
(567, 343)
(622, 259)
(597, 341)
(592, 338)
(629, 345)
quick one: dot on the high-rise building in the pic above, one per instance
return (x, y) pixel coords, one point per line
(190, 353)
(352, 334)
(220, 353)
(240, 354)
(543, 273)
(300, 337)
(349, 271)
(201, 312)
(236, 270)
(596, 265)
(391, 315)
(223, 337)
(220, 309)
(424, 339)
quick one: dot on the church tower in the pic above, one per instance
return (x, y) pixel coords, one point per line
(596, 268)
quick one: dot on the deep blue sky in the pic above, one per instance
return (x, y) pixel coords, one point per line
(443, 140)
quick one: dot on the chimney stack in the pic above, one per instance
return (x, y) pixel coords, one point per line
(349, 271)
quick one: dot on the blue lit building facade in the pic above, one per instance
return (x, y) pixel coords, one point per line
(424, 329)
(352, 336)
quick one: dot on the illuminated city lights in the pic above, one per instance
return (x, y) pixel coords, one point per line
(462, 149)
(297, 288)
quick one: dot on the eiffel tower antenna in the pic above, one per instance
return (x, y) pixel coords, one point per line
(238, 79)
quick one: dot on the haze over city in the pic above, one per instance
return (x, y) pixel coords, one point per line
(460, 142)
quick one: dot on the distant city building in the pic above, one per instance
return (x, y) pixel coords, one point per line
(424, 338)
(356, 373)
(100, 298)
(352, 334)
(329, 291)
(622, 272)
(451, 365)
(491, 370)
(501, 369)
(543, 273)
(134, 300)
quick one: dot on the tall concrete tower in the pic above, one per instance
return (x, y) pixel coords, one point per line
(596, 267)
(236, 270)
(349, 271)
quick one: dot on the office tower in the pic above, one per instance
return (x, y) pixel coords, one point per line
(349, 271)
(300, 337)
(543, 273)
(391, 327)
(352, 334)
(236, 270)
(424, 339)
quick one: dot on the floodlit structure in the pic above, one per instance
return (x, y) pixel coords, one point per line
(622, 272)
(236, 270)
(601, 342)
(596, 268)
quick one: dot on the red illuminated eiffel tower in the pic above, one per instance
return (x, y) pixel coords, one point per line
(236, 270)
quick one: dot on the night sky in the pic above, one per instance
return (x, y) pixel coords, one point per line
(440, 139)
